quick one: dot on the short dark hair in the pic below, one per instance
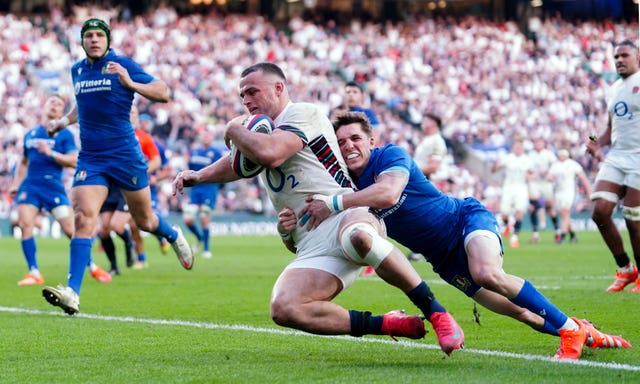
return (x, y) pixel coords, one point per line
(347, 118)
(435, 118)
(265, 67)
(626, 42)
(354, 84)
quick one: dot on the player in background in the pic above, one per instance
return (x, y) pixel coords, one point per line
(515, 195)
(563, 174)
(196, 213)
(541, 196)
(459, 237)
(619, 176)
(354, 101)
(302, 157)
(38, 185)
(432, 149)
(110, 155)
(114, 216)
(145, 123)
(154, 162)
(429, 153)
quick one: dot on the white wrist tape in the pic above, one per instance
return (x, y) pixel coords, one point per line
(333, 202)
(64, 121)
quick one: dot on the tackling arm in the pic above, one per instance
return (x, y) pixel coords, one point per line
(384, 193)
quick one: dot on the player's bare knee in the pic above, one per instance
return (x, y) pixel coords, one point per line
(488, 278)
(283, 312)
(145, 224)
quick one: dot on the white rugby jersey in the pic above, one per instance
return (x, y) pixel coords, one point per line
(516, 169)
(623, 104)
(317, 168)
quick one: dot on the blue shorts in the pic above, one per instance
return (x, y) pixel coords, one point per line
(42, 195)
(204, 196)
(114, 202)
(454, 269)
(127, 174)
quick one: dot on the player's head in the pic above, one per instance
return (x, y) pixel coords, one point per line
(626, 58)
(206, 138)
(263, 89)
(54, 107)
(96, 38)
(517, 147)
(431, 123)
(353, 94)
(355, 138)
(145, 122)
(563, 154)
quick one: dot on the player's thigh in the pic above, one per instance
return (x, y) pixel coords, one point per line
(303, 285)
(119, 220)
(632, 197)
(139, 203)
(87, 199)
(484, 253)
(27, 214)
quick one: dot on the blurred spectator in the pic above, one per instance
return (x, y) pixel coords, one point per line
(487, 79)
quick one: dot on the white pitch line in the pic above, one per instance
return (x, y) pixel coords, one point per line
(408, 344)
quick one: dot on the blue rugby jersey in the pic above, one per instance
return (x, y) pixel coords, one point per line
(42, 168)
(199, 158)
(424, 219)
(104, 106)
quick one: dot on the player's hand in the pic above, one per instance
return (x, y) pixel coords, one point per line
(315, 212)
(55, 125)
(287, 221)
(43, 148)
(114, 68)
(235, 124)
(593, 146)
(13, 191)
(183, 180)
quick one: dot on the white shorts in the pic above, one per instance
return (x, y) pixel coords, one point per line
(541, 189)
(320, 249)
(565, 199)
(515, 198)
(621, 169)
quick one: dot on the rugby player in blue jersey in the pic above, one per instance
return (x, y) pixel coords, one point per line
(105, 84)
(202, 197)
(459, 237)
(38, 184)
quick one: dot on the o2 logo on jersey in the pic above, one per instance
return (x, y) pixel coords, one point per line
(621, 109)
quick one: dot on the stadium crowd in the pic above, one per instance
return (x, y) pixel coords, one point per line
(489, 81)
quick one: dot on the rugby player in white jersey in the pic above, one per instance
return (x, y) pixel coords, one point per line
(619, 176)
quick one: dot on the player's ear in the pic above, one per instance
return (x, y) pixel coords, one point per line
(279, 88)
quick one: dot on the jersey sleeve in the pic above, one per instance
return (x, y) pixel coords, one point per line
(67, 142)
(394, 158)
(136, 72)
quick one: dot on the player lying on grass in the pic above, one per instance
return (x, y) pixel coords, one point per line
(459, 237)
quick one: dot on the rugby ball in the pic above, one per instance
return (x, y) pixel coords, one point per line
(241, 165)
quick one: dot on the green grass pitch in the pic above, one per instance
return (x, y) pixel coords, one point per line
(212, 325)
